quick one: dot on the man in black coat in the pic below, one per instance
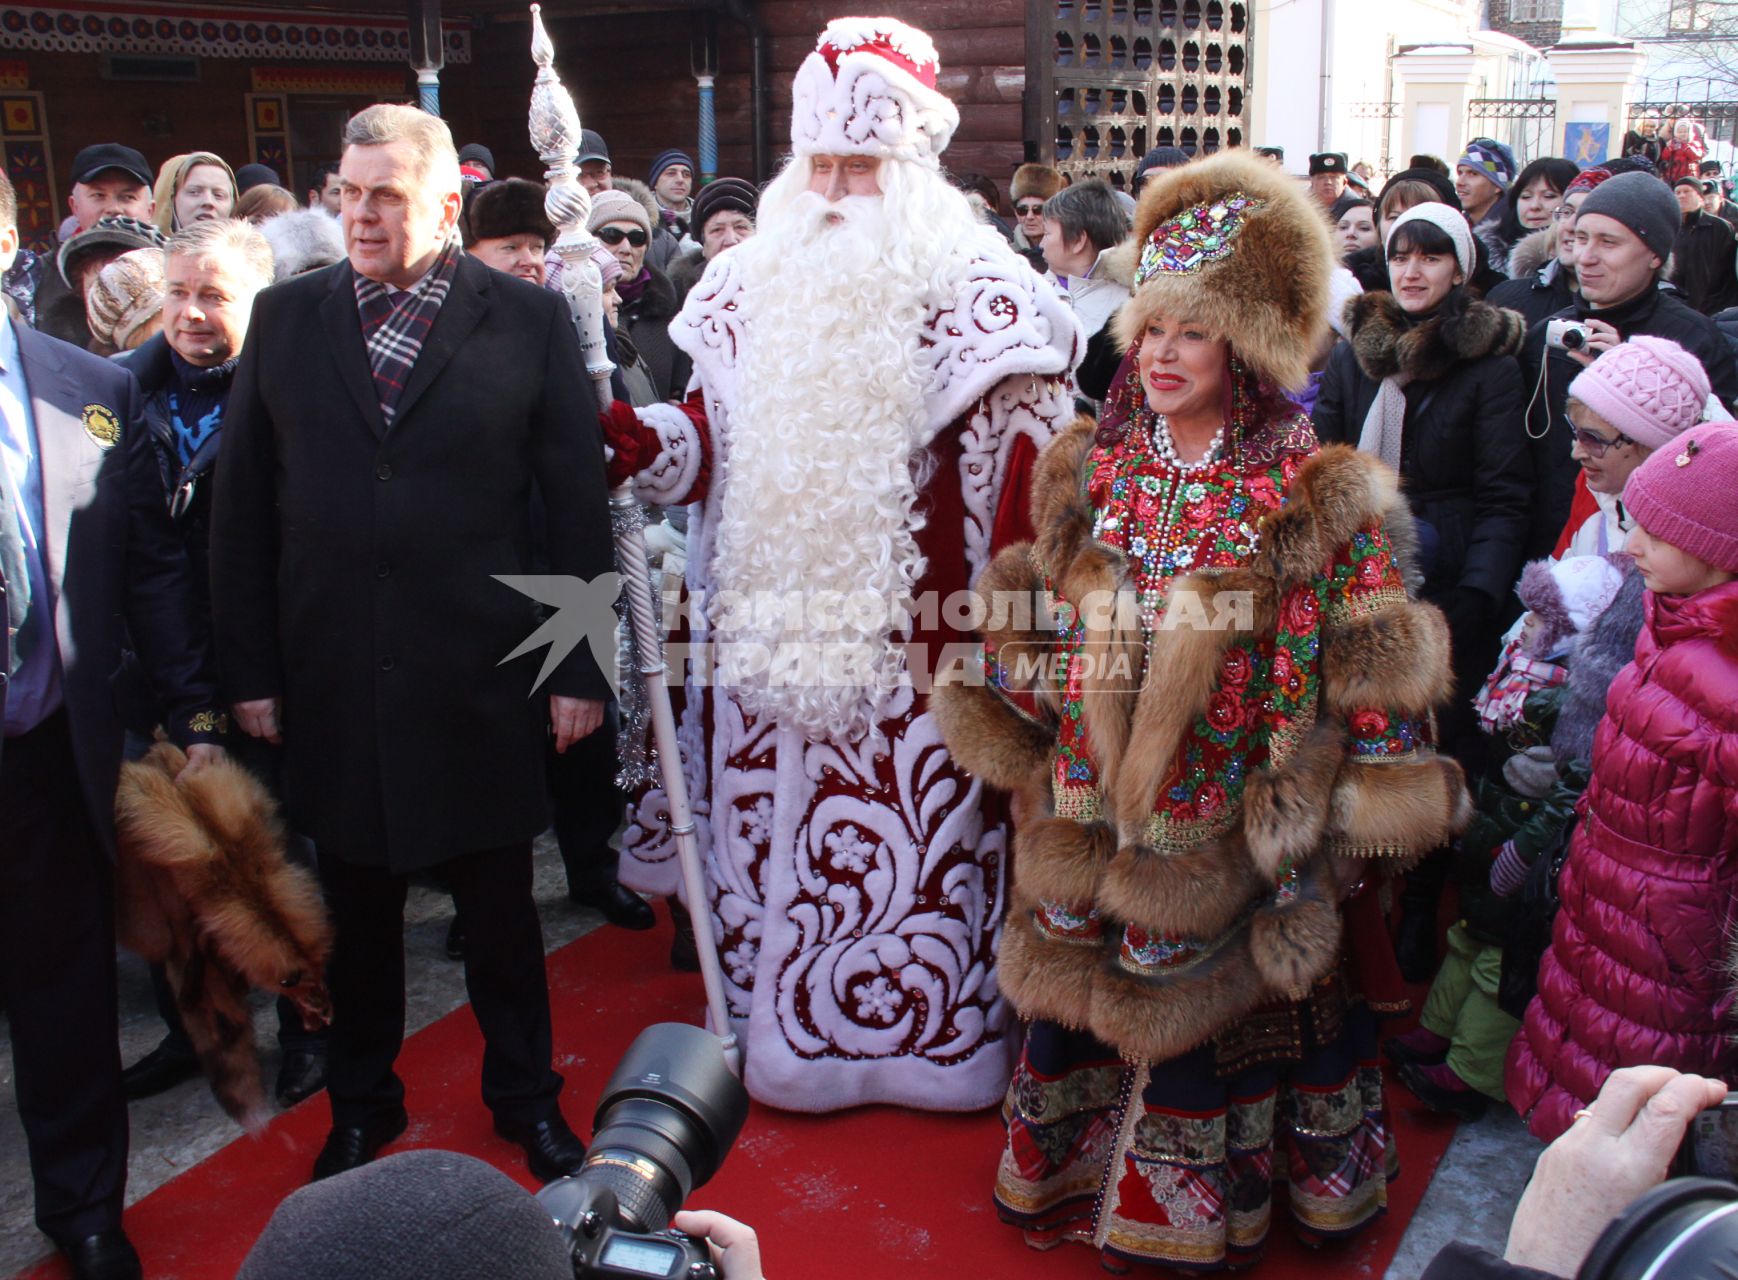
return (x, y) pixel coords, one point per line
(85, 545)
(389, 419)
(214, 269)
(1703, 255)
(1624, 232)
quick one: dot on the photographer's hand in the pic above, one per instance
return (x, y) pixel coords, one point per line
(735, 1247)
(1620, 1148)
(1602, 337)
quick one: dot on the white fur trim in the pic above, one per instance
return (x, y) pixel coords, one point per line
(873, 107)
(1004, 321)
(1036, 408)
(668, 478)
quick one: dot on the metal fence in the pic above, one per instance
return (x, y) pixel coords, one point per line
(1527, 125)
(1719, 120)
(1374, 138)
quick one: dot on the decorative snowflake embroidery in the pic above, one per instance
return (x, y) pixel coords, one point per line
(878, 1001)
(1195, 238)
(740, 961)
(851, 852)
(757, 822)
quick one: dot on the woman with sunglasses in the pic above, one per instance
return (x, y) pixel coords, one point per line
(648, 299)
(1033, 184)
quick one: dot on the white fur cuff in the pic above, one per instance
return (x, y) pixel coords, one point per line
(669, 478)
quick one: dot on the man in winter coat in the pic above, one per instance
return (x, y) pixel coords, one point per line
(1704, 256)
(106, 179)
(877, 371)
(389, 419)
(85, 545)
(214, 270)
(1624, 233)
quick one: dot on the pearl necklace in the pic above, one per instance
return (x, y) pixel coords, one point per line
(1167, 448)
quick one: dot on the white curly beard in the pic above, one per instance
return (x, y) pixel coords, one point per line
(816, 557)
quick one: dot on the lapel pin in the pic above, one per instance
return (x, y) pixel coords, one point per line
(1691, 449)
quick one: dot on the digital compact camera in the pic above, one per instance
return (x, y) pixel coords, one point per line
(1567, 335)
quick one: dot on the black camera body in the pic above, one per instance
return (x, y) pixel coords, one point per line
(586, 1211)
(664, 1124)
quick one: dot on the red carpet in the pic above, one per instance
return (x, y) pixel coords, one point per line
(831, 1196)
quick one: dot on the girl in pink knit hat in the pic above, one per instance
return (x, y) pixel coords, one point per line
(1636, 971)
(1634, 399)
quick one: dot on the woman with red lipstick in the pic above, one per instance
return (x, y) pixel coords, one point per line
(1225, 751)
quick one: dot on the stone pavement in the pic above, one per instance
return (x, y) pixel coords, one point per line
(1470, 1198)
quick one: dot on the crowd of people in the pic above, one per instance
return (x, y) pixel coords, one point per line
(1191, 582)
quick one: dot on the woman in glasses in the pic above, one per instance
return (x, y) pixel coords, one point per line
(1612, 439)
(1033, 184)
(648, 299)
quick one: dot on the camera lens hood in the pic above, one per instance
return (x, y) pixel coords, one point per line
(682, 1067)
(1683, 1229)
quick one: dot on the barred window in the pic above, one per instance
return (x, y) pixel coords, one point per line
(1690, 15)
(1539, 10)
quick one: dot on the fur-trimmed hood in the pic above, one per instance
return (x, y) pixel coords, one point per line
(1315, 808)
(1531, 253)
(203, 887)
(1385, 343)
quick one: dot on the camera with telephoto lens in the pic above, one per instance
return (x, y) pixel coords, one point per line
(665, 1122)
(1567, 335)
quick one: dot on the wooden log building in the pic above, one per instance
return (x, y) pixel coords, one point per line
(1086, 84)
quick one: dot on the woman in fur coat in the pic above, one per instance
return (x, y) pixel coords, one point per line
(1429, 383)
(1214, 726)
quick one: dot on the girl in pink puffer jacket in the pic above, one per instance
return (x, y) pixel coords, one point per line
(1634, 974)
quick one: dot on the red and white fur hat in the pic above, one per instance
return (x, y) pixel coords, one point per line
(868, 89)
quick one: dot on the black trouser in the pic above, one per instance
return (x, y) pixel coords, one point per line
(57, 982)
(588, 807)
(504, 976)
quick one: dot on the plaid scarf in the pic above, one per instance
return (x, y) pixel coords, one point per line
(1517, 677)
(396, 325)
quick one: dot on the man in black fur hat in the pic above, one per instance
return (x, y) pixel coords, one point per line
(505, 227)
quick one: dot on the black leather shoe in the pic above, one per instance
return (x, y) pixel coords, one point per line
(158, 1071)
(455, 940)
(108, 1255)
(620, 905)
(301, 1075)
(552, 1150)
(352, 1146)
